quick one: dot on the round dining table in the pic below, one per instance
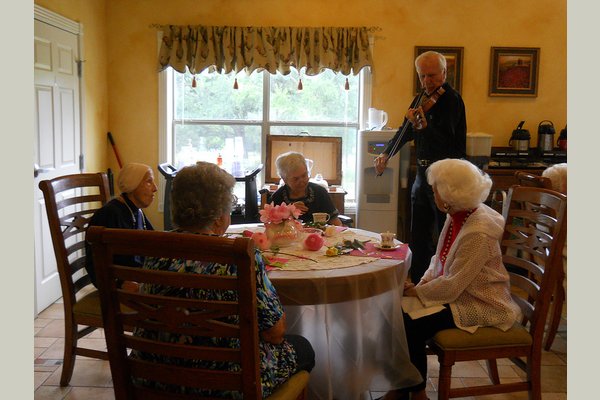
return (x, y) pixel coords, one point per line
(350, 309)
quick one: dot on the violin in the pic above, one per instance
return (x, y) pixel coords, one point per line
(426, 106)
(420, 116)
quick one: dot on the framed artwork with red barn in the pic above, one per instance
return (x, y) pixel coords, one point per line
(514, 71)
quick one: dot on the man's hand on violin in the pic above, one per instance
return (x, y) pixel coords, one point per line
(416, 116)
(380, 163)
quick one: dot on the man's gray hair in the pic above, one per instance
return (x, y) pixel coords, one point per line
(432, 54)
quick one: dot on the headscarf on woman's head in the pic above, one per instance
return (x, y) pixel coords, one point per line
(131, 175)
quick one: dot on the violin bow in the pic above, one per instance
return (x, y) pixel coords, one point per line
(404, 128)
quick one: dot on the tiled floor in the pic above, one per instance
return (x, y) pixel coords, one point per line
(92, 380)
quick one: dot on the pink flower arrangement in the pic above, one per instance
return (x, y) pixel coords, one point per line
(273, 214)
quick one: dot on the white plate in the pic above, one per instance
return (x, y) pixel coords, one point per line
(378, 247)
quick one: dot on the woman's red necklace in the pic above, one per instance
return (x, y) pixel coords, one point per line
(459, 220)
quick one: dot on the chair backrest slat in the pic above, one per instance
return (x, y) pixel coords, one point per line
(512, 261)
(226, 310)
(534, 236)
(183, 351)
(200, 378)
(168, 279)
(92, 200)
(527, 179)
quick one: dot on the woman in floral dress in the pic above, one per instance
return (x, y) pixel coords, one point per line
(201, 204)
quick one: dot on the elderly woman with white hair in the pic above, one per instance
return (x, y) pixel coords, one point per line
(137, 186)
(558, 176)
(466, 275)
(307, 196)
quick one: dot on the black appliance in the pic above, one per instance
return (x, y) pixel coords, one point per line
(240, 213)
(248, 212)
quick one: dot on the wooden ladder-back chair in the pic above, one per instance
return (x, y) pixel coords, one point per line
(558, 299)
(535, 230)
(200, 318)
(70, 201)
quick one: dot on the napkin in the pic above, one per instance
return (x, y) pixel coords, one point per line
(371, 251)
(415, 309)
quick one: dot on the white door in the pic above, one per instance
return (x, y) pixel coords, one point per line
(57, 139)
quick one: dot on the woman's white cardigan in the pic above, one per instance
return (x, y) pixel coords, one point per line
(475, 282)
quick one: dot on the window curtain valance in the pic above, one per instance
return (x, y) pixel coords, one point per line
(233, 48)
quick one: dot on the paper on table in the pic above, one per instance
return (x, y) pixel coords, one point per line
(415, 309)
(275, 262)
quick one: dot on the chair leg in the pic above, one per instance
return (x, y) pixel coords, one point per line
(302, 395)
(444, 382)
(534, 375)
(69, 352)
(557, 305)
(493, 371)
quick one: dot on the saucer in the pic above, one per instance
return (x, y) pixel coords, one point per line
(394, 247)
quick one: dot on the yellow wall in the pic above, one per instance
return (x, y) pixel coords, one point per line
(130, 65)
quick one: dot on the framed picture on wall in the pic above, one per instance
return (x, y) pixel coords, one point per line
(514, 71)
(454, 62)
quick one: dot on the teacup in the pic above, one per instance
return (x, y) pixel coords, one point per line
(387, 239)
(320, 218)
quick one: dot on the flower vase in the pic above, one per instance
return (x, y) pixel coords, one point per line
(284, 233)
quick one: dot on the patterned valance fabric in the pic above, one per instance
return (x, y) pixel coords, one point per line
(233, 48)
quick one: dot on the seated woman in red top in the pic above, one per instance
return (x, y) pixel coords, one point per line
(466, 275)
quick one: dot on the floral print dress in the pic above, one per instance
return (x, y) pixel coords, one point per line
(277, 361)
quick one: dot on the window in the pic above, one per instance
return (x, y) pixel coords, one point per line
(215, 121)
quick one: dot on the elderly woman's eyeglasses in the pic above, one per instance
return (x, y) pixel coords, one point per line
(298, 178)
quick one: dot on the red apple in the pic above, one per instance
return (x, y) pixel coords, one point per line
(261, 240)
(313, 242)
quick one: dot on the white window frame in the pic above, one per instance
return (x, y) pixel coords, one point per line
(165, 128)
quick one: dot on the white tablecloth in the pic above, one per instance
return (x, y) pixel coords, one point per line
(359, 342)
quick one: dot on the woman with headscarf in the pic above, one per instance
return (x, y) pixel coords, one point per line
(137, 186)
(466, 275)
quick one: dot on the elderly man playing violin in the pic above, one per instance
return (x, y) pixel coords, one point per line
(436, 121)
